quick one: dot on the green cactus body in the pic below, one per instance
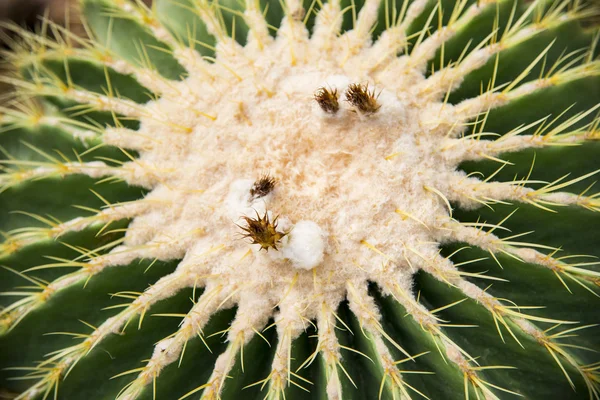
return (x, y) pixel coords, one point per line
(303, 200)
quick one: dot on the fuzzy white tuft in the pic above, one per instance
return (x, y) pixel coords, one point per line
(305, 246)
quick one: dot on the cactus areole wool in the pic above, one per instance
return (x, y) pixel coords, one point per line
(324, 163)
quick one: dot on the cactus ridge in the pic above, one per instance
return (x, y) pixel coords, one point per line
(430, 234)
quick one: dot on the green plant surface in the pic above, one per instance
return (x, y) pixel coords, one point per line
(430, 227)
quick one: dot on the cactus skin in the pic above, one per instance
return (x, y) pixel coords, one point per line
(113, 298)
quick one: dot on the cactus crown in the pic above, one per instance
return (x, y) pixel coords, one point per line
(415, 145)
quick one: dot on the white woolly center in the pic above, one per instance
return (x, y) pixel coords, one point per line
(340, 178)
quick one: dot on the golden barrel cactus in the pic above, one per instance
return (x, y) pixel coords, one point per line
(365, 199)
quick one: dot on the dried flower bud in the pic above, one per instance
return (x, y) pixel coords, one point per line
(328, 100)
(263, 186)
(262, 231)
(359, 96)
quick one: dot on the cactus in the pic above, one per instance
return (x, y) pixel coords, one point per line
(302, 200)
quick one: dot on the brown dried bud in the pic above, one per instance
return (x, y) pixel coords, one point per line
(263, 186)
(262, 231)
(359, 96)
(328, 100)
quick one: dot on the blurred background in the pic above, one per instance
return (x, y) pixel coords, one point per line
(27, 12)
